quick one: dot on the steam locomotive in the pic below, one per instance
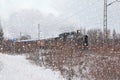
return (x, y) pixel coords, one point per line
(74, 38)
(77, 37)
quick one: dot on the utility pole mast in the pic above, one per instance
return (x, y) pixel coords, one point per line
(105, 28)
(38, 31)
(20, 36)
(105, 22)
(0, 23)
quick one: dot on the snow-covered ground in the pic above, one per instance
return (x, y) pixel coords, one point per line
(18, 68)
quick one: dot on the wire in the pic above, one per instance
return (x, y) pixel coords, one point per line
(73, 14)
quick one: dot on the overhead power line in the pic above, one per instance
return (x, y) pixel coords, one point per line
(74, 14)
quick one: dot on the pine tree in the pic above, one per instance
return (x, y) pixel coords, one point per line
(1, 33)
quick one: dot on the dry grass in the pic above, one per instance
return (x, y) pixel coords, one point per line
(75, 63)
(106, 67)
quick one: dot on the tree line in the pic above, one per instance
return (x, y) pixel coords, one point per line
(96, 39)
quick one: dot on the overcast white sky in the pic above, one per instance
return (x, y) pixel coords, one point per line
(57, 13)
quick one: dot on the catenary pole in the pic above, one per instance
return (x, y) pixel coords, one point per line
(105, 23)
(38, 31)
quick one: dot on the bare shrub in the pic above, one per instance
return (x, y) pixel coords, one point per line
(106, 68)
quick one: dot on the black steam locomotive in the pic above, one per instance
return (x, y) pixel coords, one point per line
(77, 37)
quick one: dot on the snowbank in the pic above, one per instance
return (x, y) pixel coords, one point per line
(18, 68)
